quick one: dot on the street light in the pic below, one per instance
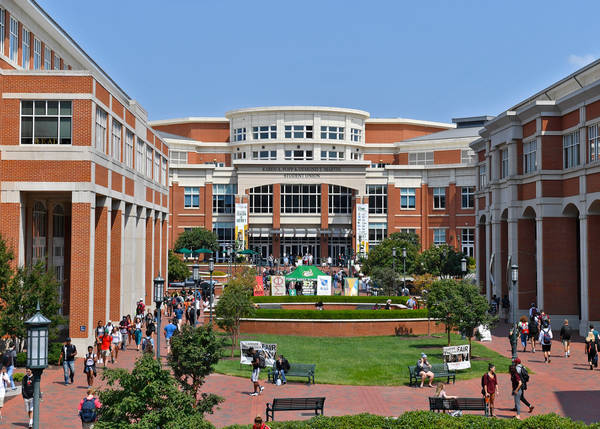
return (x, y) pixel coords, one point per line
(404, 269)
(211, 268)
(37, 356)
(159, 291)
(196, 277)
(514, 269)
(394, 265)
(229, 257)
(463, 266)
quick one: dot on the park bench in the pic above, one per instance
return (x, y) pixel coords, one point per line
(296, 370)
(462, 404)
(294, 404)
(440, 370)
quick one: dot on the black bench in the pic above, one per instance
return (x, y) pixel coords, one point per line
(295, 404)
(440, 370)
(296, 370)
(463, 404)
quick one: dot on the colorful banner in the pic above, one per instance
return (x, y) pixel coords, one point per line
(324, 285)
(362, 229)
(351, 286)
(269, 351)
(241, 226)
(277, 285)
(259, 290)
(457, 357)
(308, 287)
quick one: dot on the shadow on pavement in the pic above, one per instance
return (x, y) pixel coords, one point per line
(580, 403)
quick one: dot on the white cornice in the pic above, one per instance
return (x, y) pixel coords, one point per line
(188, 120)
(342, 110)
(407, 121)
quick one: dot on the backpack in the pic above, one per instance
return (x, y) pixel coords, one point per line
(524, 375)
(88, 412)
(546, 336)
(483, 384)
(261, 361)
(147, 346)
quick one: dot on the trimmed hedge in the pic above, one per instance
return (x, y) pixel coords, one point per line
(427, 420)
(330, 298)
(18, 377)
(267, 313)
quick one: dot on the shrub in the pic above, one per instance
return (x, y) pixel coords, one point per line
(339, 314)
(218, 274)
(18, 376)
(21, 359)
(53, 355)
(328, 298)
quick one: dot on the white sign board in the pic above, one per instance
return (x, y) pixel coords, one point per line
(486, 334)
(362, 229)
(267, 350)
(277, 285)
(457, 357)
(324, 285)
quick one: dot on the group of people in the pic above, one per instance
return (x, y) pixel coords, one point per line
(281, 366)
(538, 328)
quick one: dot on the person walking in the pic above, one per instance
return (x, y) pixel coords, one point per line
(148, 343)
(524, 375)
(137, 332)
(116, 341)
(524, 331)
(8, 361)
(546, 340)
(255, 373)
(124, 331)
(27, 393)
(99, 333)
(129, 330)
(170, 329)
(565, 337)
(592, 350)
(106, 341)
(89, 366)
(67, 356)
(179, 315)
(88, 410)
(4, 383)
(517, 385)
(534, 331)
(489, 381)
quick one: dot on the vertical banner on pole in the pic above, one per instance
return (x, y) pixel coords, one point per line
(258, 287)
(241, 226)
(362, 229)
(351, 286)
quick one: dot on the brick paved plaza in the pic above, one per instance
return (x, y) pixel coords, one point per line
(565, 386)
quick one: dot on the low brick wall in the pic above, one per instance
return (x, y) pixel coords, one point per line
(330, 306)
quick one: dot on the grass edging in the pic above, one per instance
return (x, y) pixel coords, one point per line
(268, 313)
(286, 299)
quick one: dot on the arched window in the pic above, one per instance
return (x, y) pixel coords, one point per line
(39, 233)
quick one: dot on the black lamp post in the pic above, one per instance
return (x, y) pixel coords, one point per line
(211, 268)
(196, 277)
(37, 356)
(404, 268)
(514, 270)
(463, 266)
(159, 291)
(394, 265)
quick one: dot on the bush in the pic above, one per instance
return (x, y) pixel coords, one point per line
(218, 274)
(21, 359)
(339, 314)
(18, 376)
(328, 298)
(53, 355)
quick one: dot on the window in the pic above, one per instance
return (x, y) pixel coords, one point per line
(332, 133)
(482, 176)
(378, 165)
(299, 155)
(529, 157)
(25, 48)
(332, 155)
(139, 156)
(239, 155)
(300, 199)
(47, 58)
(14, 40)
(355, 134)
(439, 236)
(225, 232)
(264, 132)
(503, 163)
(355, 156)
(439, 198)
(594, 142)
(407, 198)
(39, 233)
(408, 230)
(377, 199)
(46, 122)
(224, 198)
(298, 132)
(239, 134)
(2, 30)
(177, 157)
(116, 140)
(377, 233)
(149, 161)
(157, 167)
(37, 54)
(264, 154)
(191, 198)
(56, 61)
(420, 158)
(163, 172)
(340, 200)
(261, 199)
(467, 194)
(468, 242)
(571, 150)
(128, 149)
(467, 156)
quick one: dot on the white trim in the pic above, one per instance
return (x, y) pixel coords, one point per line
(46, 96)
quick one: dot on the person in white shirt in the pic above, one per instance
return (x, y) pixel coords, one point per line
(114, 350)
(546, 341)
(4, 383)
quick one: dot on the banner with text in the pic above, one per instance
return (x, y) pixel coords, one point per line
(362, 229)
(351, 286)
(457, 357)
(268, 351)
(324, 285)
(277, 285)
(259, 290)
(241, 226)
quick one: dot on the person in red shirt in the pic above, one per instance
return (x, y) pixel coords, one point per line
(258, 423)
(490, 386)
(106, 339)
(88, 412)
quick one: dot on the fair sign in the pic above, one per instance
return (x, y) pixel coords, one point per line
(457, 357)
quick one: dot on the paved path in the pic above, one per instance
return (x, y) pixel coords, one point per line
(565, 386)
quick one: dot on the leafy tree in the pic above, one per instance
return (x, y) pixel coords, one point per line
(6, 259)
(197, 238)
(146, 398)
(442, 261)
(382, 254)
(235, 304)
(384, 278)
(442, 302)
(194, 354)
(422, 282)
(178, 270)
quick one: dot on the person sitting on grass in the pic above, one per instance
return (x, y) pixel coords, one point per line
(424, 370)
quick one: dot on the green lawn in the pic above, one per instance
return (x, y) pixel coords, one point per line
(364, 360)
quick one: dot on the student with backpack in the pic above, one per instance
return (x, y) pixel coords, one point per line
(258, 362)
(89, 366)
(524, 330)
(88, 410)
(534, 331)
(489, 384)
(148, 343)
(524, 376)
(546, 341)
(592, 350)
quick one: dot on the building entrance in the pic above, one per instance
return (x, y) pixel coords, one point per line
(297, 247)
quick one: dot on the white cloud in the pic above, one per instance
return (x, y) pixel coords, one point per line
(581, 60)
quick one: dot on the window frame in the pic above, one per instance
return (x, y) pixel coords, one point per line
(439, 236)
(483, 176)
(593, 142)
(469, 243)
(571, 150)
(378, 235)
(421, 158)
(149, 160)
(100, 130)
(530, 156)
(224, 198)
(467, 156)
(408, 196)
(467, 193)
(56, 61)
(264, 132)
(356, 134)
(378, 201)
(2, 29)
(13, 40)
(61, 120)
(340, 200)
(47, 58)
(116, 139)
(294, 199)
(439, 198)
(330, 132)
(26, 48)
(292, 131)
(239, 134)
(260, 199)
(37, 54)
(193, 192)
(128, 154)
(140, 149)
(504, 163)
(294, 155)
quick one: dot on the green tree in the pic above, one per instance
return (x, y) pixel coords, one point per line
(194, 354)
(6, 258)
(473, 310)
(178, 270)
(384, 278)
(382, 254)
(442, 261)
(146, 398)
(235, 304)
(197, 238)
(441, 301)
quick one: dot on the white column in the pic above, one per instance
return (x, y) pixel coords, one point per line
(513, 252)
(512, 158)
(497, 268)
(488, 253)
(539, 254)
(583, 251)
(124, 255)
(140, 260)
(108, 205)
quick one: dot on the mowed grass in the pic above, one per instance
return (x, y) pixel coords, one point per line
(364, 361)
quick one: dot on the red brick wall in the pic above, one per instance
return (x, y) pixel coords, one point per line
(529, 128)
(551, 123)
(527, 191)
(100, 261)
(101, 176)
(570, 186)
(594, 266)
(45, 171)
(592, 111)
(206, 131)
(11, 213)
(115, 265)
(102, 94)
(527, 262)
(503, 256)
(570, 119)
(552, 152)
(446, 157)
(117, 182)
(390, 133)
(80, 263)
(552, 188)
(129, 187)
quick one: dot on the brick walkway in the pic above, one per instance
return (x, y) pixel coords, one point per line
(565, 386)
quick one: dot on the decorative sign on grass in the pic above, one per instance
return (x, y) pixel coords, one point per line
(268, 351)
(457, 357)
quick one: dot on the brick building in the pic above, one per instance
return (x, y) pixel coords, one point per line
(294, 179)
(83, 181)
(538, 199)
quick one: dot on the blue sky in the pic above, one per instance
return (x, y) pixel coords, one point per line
(430, 60)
